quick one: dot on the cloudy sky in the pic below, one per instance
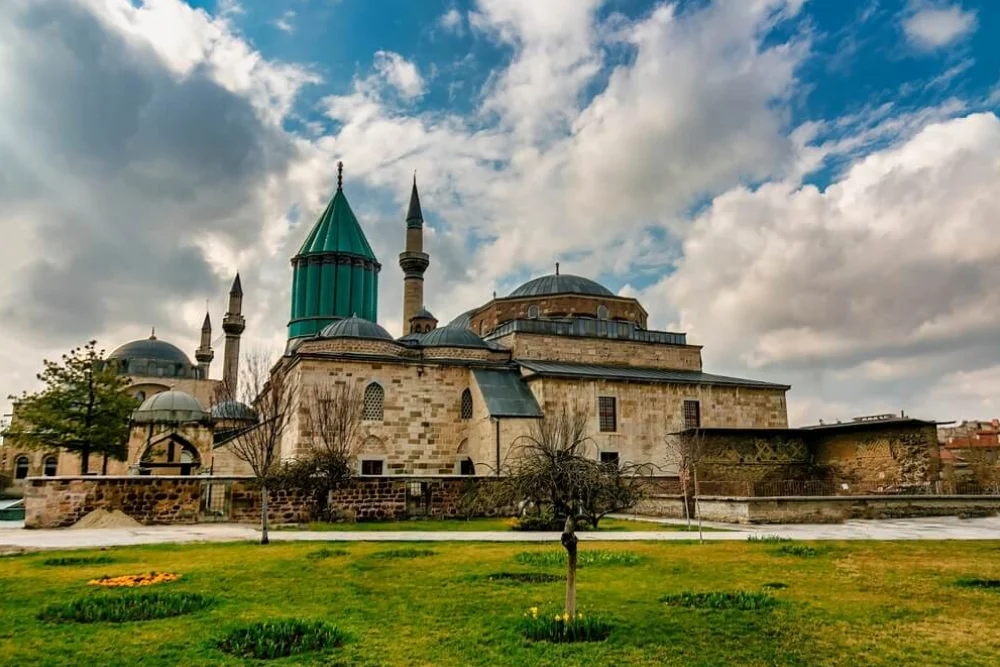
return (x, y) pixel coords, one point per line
(809, 189)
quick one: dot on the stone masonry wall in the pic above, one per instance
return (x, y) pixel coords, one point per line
(889, 457)
(603, 351)
(499, 311)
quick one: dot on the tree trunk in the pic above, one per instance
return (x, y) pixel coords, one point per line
(104, 464)
(569, 541)
(697, 507)
(85, 459)
(684, 490)
(263, 514)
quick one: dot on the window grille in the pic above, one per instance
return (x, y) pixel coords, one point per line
(49, 466)
(692, 414)
(466, 404)
(374, 399)
(371, 467)
(610, 458)
(607, 414)
(20, 467)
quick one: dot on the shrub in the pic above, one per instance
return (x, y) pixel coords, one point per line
(524, 577)
(123, 607)
(775, 585)
(591, 557)
(563, 628)
(77, 560)
(767, 538)
(971, 582)
(800, 550)
(404, 553)
(276, 639)
(327, 553)
(741, 600)
(535, 522)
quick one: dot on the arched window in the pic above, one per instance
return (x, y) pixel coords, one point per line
(602, 312)
(466, 404)
(49, 466)
(466, 467)
(532, 312)
(374, 399)
(140, 395)
(482, 327)
(21, 467)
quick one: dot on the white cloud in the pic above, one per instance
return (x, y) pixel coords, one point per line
(932, 27)
(284, 22)
(451, 20)
(400, 73)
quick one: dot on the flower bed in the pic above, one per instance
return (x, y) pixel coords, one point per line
(563, 628)
(277, 639)
(123, 607)
(134, 580)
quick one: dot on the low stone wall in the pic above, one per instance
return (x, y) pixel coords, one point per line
(826, 509)
(669, 506)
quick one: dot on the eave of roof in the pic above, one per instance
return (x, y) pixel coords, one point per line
(637, 374)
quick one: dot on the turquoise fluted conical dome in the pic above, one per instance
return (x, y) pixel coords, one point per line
(335, 273)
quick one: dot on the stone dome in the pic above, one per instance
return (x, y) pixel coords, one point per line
(450, 336)
(234, 411)
(169, 406)
(561, 283)
(355, 327)
(151, 349)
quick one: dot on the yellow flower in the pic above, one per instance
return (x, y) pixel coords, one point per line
(566, 617)
(558, 617)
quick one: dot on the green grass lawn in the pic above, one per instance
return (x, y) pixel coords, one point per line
(858, 603)
(481, 524)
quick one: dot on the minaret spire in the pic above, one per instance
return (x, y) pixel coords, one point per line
(204, 354)
(340, 176)
(233, 324)
(413, 260)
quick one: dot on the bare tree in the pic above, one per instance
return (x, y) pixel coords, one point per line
(331, 417)
(258, 445)
(555, 467)
(688, 451)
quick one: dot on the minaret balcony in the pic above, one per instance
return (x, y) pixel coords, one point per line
(414, 263)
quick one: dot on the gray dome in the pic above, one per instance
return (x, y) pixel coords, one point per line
(464, 320)
(169, 406)
(450, 336)
(151, 349)
(233, 410)
(423, 313)
(355, 327)
(561, 283)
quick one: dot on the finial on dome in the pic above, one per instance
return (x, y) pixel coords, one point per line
(557, 268)
(340, 175)
(152, 334)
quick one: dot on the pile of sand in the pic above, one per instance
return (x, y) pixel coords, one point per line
(106, 519)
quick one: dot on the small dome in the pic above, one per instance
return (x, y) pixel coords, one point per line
(464, 320)
(151, 349)
(233, 410)
(423, 313)
(355, 327)
(169, 406)
(561, 283)
(450, 336)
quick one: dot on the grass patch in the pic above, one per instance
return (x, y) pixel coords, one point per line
(524, 577)
(767, 538)
(277, 639)
(404, 553)
(485, 524)
(562, 628)
(322, 554)
(800, 550)
(972, 582)
(590, 557)
(740, 600)
(69, 561)
(121, 608)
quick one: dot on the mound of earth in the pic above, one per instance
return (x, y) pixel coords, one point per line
(106, 519)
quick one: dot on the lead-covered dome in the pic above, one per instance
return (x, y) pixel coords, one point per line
(450, 336)
(150, 349)
(561, 283)
(169, 406)
(355, 327)
(233, 411)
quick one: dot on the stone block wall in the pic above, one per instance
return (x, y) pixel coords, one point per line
(877, 457)
(495, 313)
(602, 351)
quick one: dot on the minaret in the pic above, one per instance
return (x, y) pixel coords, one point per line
(233, 324)
(204, 353)
(414, 261)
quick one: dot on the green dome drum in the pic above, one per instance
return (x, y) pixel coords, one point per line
(335, 273)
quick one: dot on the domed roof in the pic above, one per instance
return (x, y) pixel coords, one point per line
(355, 327)
(423, 313)
(450, 336)
(169, 406)
(464, 320)
(151, 349)
(233, 410)
(561, 283)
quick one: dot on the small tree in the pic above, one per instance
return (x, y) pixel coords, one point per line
(258, 445)
(84, 408)
(551, 469)
(687, 451)
(332, 419)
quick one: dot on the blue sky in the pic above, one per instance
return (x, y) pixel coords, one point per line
(806, 187)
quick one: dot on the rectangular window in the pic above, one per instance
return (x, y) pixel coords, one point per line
(610, 458)
(371, 467)
(606, 413)
(692, 414)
